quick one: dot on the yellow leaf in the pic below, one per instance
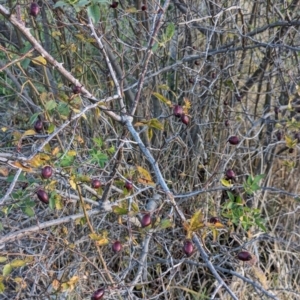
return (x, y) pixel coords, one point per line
(80, 140)
(72, 183)
(150, 133)
(290, 143)
(141, 123)
(162, 98)
(102, 242)
(218, 225)
(55, 284)
(17, 136)
(73, 280)
(131, 10)
(4, 129)
(64, 286)
(226, 182)
(186, 106)
(298, 89)
(29, 132)
(4, 171)
(144, 176)
(261, 276)
(196, 221)
(22, 167)
(55, 151)
(55, 33)
(72, 153)
(39, 160)
(40, 61)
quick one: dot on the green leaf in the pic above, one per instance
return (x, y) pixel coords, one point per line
(120, 210)
(2, 287)
(94, 13)
(60, 4)
(51, 128)
(155, 47)
(7, 270)
(3, 259)
(162, 98)
(154, 123)
(82, 3)
(63, 109)
(28, 211)
(165, 223)
(257, 178)
(170, 31)
(17, 263)
(50, 105)
(33, 118)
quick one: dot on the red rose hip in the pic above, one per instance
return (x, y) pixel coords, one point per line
(230, 174)
(96, 183)
(34, 9)
(43, 196)
(188, 248)
(234, 140)
(244, 256)
(47, 172)
(146, 220)
(177, 111)
(185, 119)
(128, 185)
(97, 295)
(114, 4)
(38, 126)
(117, 246)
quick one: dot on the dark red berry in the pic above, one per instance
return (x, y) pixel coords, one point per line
(244, 256)
(185, 119)
(214, 220)
(116, 246)
(144, 7)
(114, 4)
(177, 111)
(128, 185)
(279, 135)
(146, 220)
(227, 123)
(96, 183)
(230, 174)
(188, 248)
(197, 63)
(297, 136)
(213, 75)
(234, 140)
(291, 150)
(225, 103)
(34, 9)
(97, 295)
(47, 172)
(191, 80)
(38, 126)
(43, 196)
(276, 110)
(238, 97)
(77, 89)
